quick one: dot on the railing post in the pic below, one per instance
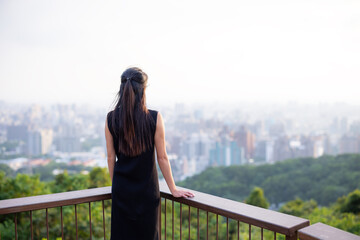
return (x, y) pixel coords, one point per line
(294, 237)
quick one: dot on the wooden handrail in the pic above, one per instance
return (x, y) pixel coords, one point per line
(23, 204)
(268, 219)
(261, 217)
(323, 231)
(288, 225)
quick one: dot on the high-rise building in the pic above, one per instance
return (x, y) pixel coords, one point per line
(349, 144)
(246, 139)
(226, 153)
(68, 138)
(17, 133)
(34, 142)
(39, 141)
(46, 140)
(236, 153)
(264, 151)
(218, 155)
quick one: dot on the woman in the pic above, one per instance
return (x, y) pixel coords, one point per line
(132, 131)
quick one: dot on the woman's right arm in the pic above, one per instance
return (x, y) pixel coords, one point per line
(163, 160)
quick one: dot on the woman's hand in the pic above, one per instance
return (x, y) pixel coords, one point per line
(182, 193)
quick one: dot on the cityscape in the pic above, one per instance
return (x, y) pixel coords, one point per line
(198, 136)
(260, 104)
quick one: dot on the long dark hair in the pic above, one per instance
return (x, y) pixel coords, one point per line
(131, 120)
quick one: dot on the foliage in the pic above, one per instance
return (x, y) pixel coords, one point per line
(331, 215)
(229, 182)
(65, 182)
(28, 185)
(257, 198)
(46, 171)
(99, 177)
(7, 170)
(323, 179)
(351, 203)
(21, 186)
(299, 207)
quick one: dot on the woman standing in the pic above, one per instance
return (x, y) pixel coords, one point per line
(132, 132)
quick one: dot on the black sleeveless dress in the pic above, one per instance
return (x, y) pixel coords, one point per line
(135, 193)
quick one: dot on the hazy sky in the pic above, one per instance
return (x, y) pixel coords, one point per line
(192, 50)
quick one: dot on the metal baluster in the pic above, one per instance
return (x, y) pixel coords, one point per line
(198, 230)
(15, 220)
(90, 219)
(103, 219)
(165, 218)
(180, 221)
(160, 219)
(238, 231)
(217, 226)
(47, 224)
(31, 226)
(76, 223)
(189, 222)
(262, 233)
(249, 231)
(207, 225)
(62, 224)
(227, 228)
(172, 207)
(274, 235)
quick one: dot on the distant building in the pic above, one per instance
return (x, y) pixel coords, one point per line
(264, 151)
(34, 143)
(282, 149)
(39, 141)
(246, 139)
(175, 144)
(236, 154)
(196, 146)
(17, 133)
(349, 144)
(16, 163)
(218, 155)
(68, 139)
(226, 154)
(46, 140)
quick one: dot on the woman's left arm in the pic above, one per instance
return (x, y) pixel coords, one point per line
(111, 156)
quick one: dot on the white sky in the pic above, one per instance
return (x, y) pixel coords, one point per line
(192, 50)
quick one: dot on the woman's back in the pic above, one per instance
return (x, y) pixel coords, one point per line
(135, 191)
(132, 133)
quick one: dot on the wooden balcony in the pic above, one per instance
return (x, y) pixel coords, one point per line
(199, 217)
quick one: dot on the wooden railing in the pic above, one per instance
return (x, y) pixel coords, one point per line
(276, 222)
(198, 218)
(323, 231)
(19, 205)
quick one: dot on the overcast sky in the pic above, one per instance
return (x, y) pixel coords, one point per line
(192, 50)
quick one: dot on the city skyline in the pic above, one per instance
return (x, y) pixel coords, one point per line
(196, 137)
(236, 52)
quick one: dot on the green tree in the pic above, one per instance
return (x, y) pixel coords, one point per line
(330, 177)
(299, 207)
(21, 186)
(257, 198)
(351, 203)
(65, 182)
(7, 170)
(99, 177)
